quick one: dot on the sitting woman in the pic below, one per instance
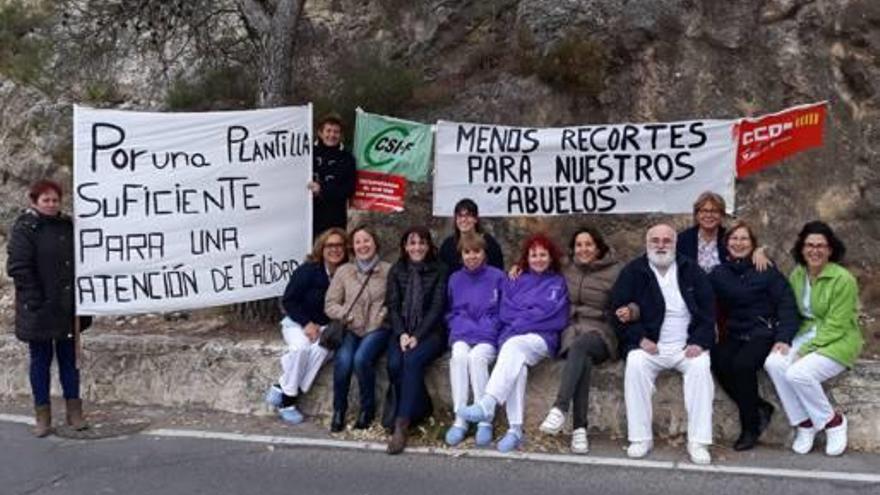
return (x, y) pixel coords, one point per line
(759, 310)
(467, 219)
(474, 295)
(303, 304)
(828, 342)
(356, 297)
(589, 339)
(416, 299)
(534, 311)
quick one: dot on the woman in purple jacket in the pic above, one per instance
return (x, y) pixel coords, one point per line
(533, 312)
(473, 295)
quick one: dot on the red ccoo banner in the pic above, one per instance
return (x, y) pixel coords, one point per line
(377, 191)
(765, 140)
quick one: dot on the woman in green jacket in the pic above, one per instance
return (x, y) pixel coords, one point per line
(828, 342)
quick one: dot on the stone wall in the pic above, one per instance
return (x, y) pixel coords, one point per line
(231, 376)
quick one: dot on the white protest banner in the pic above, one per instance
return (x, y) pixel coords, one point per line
(625, 168)
(177, 211)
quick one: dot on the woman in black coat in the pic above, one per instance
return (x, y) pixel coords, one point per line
(40, 262)
(467, 219)
(760, 310)
(416, 298)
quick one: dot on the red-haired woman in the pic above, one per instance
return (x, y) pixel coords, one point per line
(534, 311)
(40, 262)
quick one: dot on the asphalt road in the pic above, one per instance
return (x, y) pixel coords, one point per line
(146, 464)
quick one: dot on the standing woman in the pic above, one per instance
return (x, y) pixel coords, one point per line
(589, 339)
(467, 219)
(828, 342)
(357, 296)
(474, 296)
(304, 320)
(704, 242)
(759, 311)
(534, 311)
(416, 300)
(40, 261)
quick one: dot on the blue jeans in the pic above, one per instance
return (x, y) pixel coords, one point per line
(359, 354)
(41, 361)
(406, 372)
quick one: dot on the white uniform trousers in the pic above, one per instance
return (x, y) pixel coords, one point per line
(507, 385)
(469, 364)
(699, 391)
(302, 361)
(798, 383)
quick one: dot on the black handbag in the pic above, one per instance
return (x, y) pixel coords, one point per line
(331, 337)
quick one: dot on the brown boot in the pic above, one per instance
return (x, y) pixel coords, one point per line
(44, 421)
(398, 439)
(75, 415)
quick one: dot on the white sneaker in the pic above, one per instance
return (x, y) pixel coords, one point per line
(803, 440)
(699, 453)
(637, 450)
(579, 442)
(554, 421)
(835, 439)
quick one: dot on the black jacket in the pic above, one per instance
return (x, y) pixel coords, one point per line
(637, 283)
(687, 243)
(449, 253)
(303, 299)
(756, 304)
(434, 277)
(334, 170)
(40, 262)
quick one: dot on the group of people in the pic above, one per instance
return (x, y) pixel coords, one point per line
(704, 302)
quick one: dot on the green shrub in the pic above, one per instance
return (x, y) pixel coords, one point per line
(574, 64)
(216, 88)
(23, 52)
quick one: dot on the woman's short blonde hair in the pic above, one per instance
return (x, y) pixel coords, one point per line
(709, 197)
(471, 241)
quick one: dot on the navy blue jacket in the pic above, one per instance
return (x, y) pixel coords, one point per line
(638, 284)
(303, 299)
(687, 241)
(334, 170)
(756, 304)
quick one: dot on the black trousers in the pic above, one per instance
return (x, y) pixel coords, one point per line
(735, 364)
(585, 351)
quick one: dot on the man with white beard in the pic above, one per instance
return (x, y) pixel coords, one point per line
(674, 330)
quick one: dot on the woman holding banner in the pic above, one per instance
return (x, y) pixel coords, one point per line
(416, 299)
(827, 343)
(40, 262)
(334, 176)
(356, 297)
(533, 312)
(467, 219)
(304, 320)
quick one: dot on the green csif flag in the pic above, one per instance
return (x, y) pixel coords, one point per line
(392, 146)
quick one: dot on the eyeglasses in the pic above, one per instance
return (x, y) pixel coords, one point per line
(661, 242)
(465, 214)
(816, 246)
(334, 245)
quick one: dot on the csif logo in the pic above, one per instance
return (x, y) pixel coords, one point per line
(384, 146)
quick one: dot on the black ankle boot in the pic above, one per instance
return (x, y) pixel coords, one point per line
(337, 424)
(746, 441)
(765, 414)
(365, 419)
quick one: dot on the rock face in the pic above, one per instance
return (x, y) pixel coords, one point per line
(230, 376)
